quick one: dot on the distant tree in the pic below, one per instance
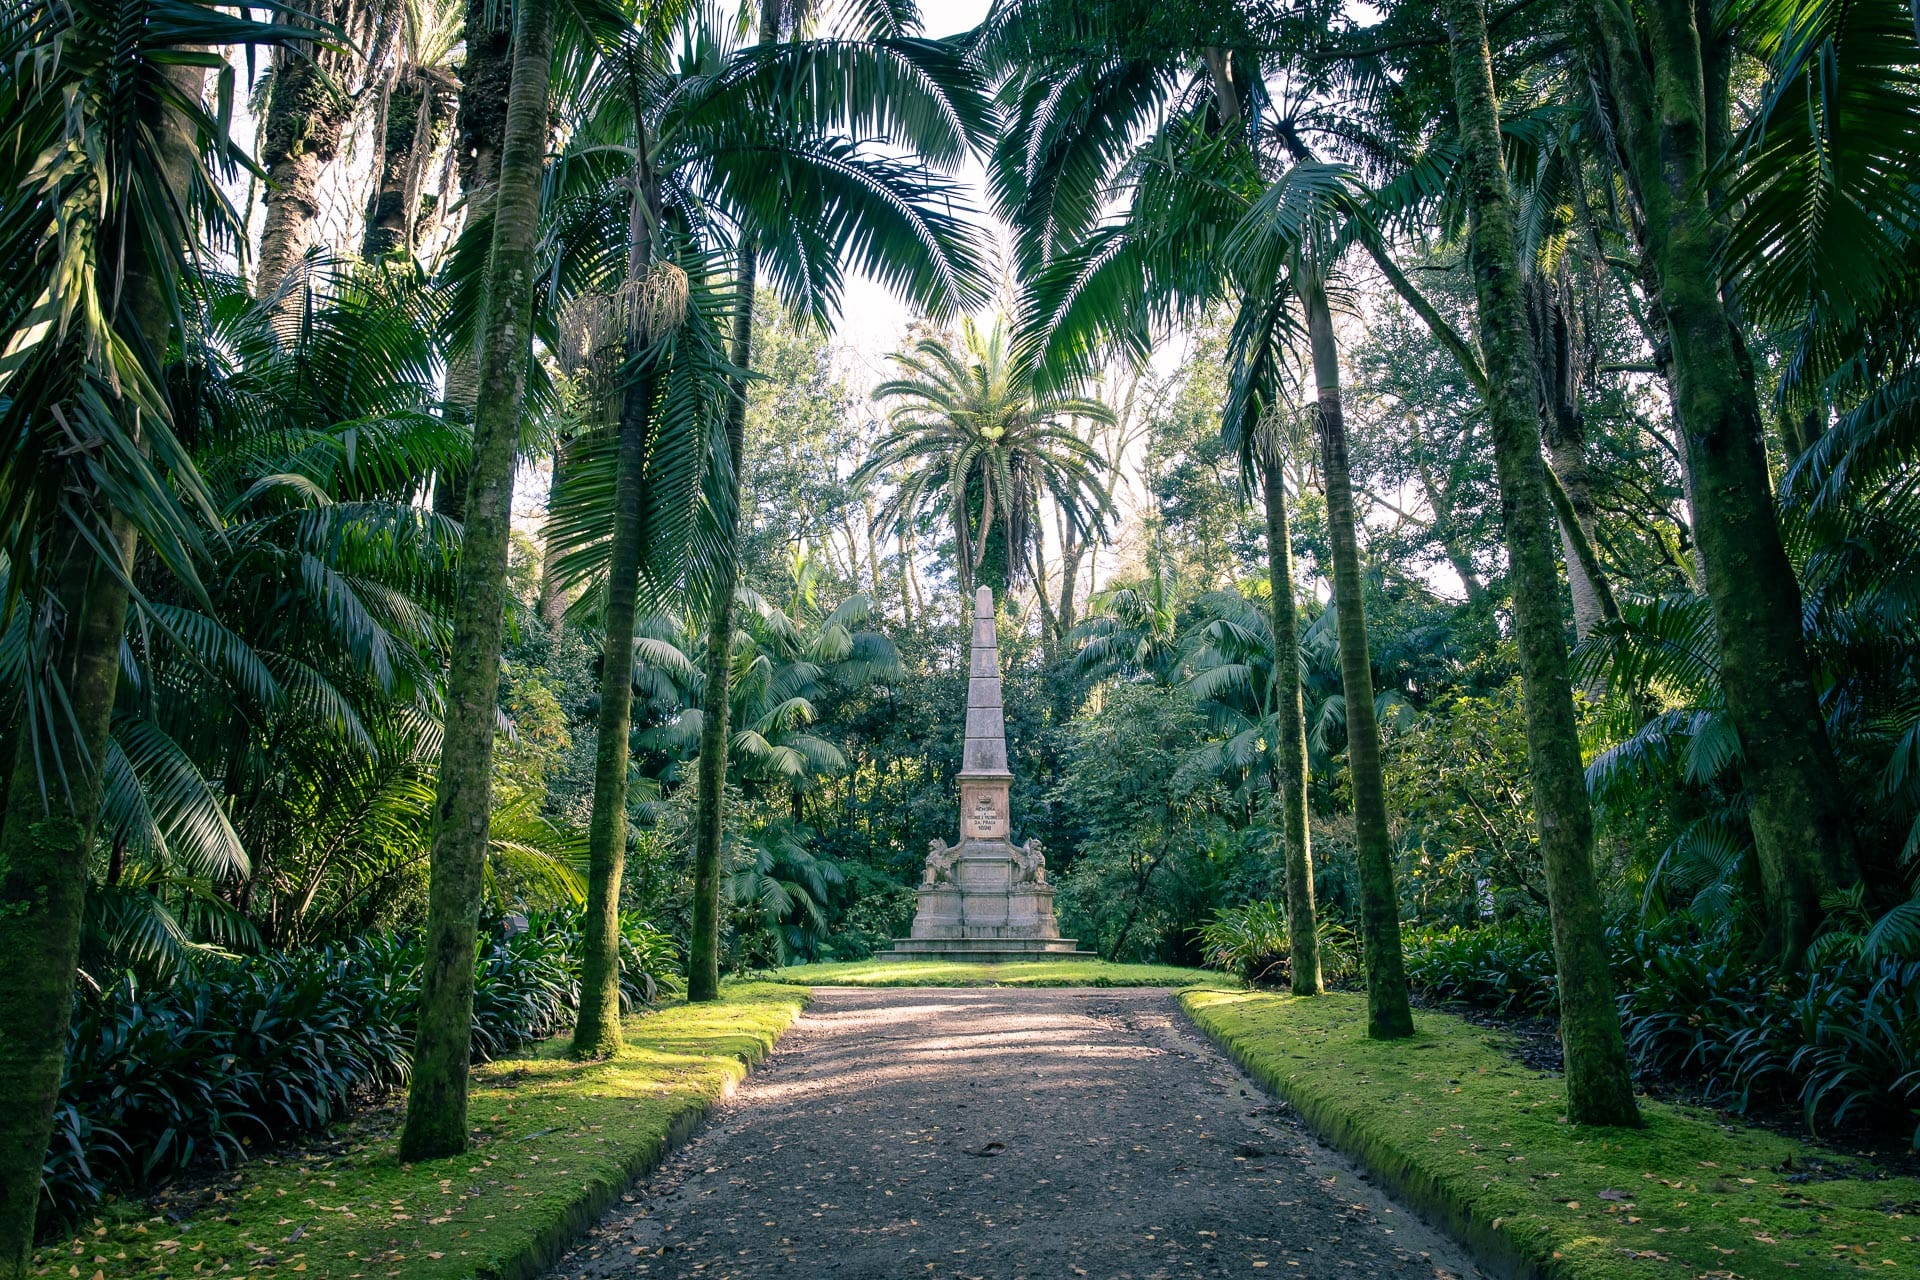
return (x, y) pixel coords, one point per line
(974, 438)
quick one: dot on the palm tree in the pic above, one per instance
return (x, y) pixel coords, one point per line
(437, 1098)
(97, 245)
(1130, 630)
(760, 151)
(1667, 81)
(971, 432)
(416, 105)
(1283, 241)
(1290, 722)
(784, 660)
(1199, 181)
(1599, 1085)
(313, 92)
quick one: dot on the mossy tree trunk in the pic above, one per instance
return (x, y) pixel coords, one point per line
(46, 849)
(716, 709)
(1599, 1087)
(417, 109)
(596, 1033)
(1668, 89)
(54, 784)
(437, 1099)
(311, 99)
(306, 114)
(1290, 730)
(1388, 1013)
(486, 79)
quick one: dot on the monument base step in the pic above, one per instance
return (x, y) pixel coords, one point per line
(985, 950)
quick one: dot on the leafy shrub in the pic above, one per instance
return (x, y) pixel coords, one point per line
(1505, 967)
(1840, 1040)
(1251, 940)
(1860, 1050)
(875, 919)
(258, 1050)
(1248, 940)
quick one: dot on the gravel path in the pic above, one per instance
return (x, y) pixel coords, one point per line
(1001, 1134)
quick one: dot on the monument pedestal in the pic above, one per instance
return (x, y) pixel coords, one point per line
(985, 898)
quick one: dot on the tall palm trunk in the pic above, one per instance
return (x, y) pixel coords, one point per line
(710, 794)
(716, 707)
(310, 104)
(1671, 112)
(1388, 1013)
(486, 79)
(437, 1100)
(1599, 1087)
(416, 117)
(46, 829)
(1290, 716)
(307, 112)
(597, 1031)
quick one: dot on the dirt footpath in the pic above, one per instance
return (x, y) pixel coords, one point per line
(1005, 1134)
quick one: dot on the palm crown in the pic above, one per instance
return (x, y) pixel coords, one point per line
(973, 433)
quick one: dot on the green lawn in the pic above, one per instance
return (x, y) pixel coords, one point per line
(557, 1142)
(1478, 1140)
(1015, 973)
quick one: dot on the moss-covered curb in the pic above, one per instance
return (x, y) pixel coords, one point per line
(556, 1143)
(1011, 973)
(1479, 1143)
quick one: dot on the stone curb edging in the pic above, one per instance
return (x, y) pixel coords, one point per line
(552, 1242)
(1498, 1252)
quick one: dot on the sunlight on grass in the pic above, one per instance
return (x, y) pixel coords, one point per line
(1480, 1140)
(1014, 973)
(555, 1142)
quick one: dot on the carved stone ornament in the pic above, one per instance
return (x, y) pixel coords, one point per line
(940, 856)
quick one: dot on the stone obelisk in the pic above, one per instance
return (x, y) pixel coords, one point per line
(985, 898)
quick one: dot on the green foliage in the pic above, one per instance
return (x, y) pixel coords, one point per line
(1153, 847)
(1456, 779)
(975, 440)
(880, 912)
(246, 1053)
(560, 1141)
(1252, 941)
(1839, 1041)
(1506, 967)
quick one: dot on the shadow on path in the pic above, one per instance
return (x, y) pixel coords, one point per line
(1001, 1134)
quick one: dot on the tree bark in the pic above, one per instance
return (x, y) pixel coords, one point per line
(1290, 729)
(710, 796)
(1803, 835)
(417, 109)
(596, 1034)
(307, 112)
(437, 1099)
(481, 123)
(551, 605)
(1389, 1016)
(1564, 432)
(54, 783)
(1599, 1086)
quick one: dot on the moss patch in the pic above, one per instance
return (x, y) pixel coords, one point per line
(555, 1142)
(1478, 1141)
(1013, 973)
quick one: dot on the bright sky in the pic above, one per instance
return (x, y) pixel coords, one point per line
(873, 321)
